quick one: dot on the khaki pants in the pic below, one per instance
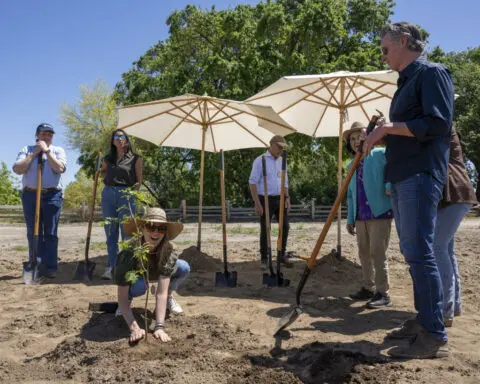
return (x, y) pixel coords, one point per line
(373, 237)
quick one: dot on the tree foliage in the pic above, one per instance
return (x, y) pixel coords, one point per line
(81, 190)
(90, 123)
(465, 68)
(9, 195)
(237, 52)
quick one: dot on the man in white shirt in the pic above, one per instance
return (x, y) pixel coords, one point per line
(274, 177)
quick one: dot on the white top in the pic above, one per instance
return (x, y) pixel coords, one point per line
(274, 174)
(50, 179)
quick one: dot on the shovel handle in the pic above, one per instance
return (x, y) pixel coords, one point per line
(92, 205)
(333, 212)
(281, 214)
(266, 212)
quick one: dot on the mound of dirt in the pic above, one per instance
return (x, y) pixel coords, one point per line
(200, 261)
(329, 268)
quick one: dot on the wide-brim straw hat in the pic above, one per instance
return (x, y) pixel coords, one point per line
(154, 216)
(356, 127)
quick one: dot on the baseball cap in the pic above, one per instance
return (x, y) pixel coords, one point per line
(45, 127)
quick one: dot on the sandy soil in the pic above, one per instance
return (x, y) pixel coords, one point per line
(47, 333)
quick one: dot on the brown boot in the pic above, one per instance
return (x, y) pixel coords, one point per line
(285, 262)
(425, 346)
(409, 330)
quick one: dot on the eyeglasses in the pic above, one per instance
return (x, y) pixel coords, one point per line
(155, 227)
(119, 137)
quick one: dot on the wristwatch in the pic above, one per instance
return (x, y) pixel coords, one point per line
(48, 150)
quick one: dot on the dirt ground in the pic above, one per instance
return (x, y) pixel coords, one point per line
(47, 333)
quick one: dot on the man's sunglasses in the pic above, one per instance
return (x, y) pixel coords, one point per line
(119, 137)
(155, 227)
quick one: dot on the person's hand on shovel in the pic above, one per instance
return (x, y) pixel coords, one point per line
(351, 229)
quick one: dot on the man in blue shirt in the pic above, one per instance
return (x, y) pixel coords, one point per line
(417, 139)
(55, 162)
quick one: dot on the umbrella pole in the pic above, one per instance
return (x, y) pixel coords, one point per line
(200, 201)
(339, 180)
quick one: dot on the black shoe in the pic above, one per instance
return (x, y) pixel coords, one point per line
(362, 294)
(379, 300)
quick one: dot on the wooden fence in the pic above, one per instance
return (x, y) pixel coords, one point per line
(184, 213)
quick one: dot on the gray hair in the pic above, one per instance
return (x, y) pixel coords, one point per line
(397, 30)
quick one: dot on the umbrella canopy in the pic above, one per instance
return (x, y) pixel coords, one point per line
(311, 103)
(318, 105)
(182, 121)
(204, 123)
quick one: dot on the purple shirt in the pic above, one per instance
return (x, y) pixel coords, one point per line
(364, 212)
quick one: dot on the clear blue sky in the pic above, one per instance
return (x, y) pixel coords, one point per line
(49, 48)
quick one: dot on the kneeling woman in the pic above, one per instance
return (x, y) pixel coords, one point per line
(163, 266)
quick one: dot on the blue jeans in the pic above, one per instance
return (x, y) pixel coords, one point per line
(448, 221)
(50, 209)
(140, 287)
(414, 203)
(116, 205)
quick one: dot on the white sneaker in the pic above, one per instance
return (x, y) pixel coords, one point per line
(173, 306)
(107, 275)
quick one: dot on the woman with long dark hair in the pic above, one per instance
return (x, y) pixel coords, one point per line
(121, 170)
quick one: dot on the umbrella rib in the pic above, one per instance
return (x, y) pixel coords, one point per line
(364, 101)
(190, 99)
(258, 117)
(320, 120)
(188, 114)
(221, 120)
(279, 92)
(181, 117)
(376, 80)
(325, 102)
(360, 103)
(218, 109)
(151, 117)
(210, 125)
(245, 128)
(350, 86)
(176, 126)
(375, 90)
(333, 93)
(308, 93)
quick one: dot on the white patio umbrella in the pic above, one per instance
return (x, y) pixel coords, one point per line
(204, 123)
(319, 105)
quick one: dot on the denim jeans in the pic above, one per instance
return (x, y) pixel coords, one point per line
(414, 204)
(50, 209)
(448, 221)
(140, 287)
(116, 205)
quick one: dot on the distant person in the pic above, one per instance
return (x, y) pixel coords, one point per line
(163, 265)
(369, 216)
(121, 170)
(274, 177)
(55, 163)
(458, 198)
(417, 151)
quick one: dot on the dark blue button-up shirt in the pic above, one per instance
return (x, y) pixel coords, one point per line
(424, 101)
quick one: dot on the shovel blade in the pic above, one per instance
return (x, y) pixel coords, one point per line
(32, 273)
(84, 271)
(269, 280)
(226, 279)
(288, 319)
(106, 306)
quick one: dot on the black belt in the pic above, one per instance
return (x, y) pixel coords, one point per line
(272, 196)
(45, 190)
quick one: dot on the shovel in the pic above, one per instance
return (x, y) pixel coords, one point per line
(297, 310)
(281, 281)
(32, 273)
(85, 268)
(225, 278)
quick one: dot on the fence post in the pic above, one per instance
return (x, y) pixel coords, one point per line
(228, 209)
(83, 211)
(183, 208)
(313, 208)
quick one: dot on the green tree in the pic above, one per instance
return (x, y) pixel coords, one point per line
(235, 53)
(465, 68)
(90, 123)
(81, 190)
(9, 195)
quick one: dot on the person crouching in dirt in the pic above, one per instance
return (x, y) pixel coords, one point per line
(163, 266)
(369, 217)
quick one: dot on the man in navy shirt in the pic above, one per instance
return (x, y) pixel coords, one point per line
(417, 139)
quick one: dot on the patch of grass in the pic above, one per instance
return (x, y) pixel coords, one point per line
(301, 236)
(274, 231)
(97, 245)
(21, 248)
(240, 230)
(185, 242)
(299, 227)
